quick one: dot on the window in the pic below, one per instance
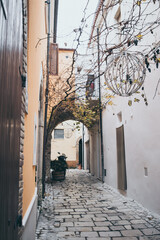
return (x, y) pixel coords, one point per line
(90, 86)
(58, 133)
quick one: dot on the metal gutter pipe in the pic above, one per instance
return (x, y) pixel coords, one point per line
(46, 102)
(100, 107)
(55, 21)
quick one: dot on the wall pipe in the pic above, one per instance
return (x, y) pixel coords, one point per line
(55, 21)
(46, 102)
(100, 107)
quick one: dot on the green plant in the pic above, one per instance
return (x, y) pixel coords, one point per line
(59, 165)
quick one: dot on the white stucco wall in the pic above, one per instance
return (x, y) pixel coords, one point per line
(141, 122)
(142, 144)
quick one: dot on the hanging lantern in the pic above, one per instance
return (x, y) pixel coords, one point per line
(125, 74)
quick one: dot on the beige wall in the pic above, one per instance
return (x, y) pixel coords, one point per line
(68, 144)
(58, 84)
(35, 61)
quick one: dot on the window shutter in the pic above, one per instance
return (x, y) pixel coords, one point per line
(53, 59)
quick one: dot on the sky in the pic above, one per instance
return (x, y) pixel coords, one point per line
(70, 14)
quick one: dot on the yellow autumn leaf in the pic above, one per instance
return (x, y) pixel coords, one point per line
(130, 103)
(158, 59)
(135, 81)
(138, 3)
(110, 103)
(136, 100)
(139, 36)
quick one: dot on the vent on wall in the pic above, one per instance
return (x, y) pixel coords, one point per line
(145, 171)
(119, 116)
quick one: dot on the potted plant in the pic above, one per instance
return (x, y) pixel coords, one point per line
(59, 167)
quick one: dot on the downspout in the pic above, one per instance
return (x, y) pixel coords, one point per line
(55, 21)
(46, 102)
(100, 107)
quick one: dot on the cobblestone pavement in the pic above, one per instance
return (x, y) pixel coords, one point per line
(83, 208)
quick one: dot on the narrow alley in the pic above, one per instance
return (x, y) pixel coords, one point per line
(81, 207)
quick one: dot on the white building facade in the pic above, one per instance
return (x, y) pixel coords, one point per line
(131, 129)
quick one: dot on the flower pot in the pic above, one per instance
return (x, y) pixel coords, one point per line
(79, 166)
(58, 175)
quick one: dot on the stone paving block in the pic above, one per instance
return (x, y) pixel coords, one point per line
(99, 219)
(116, 228)
(63, 216)
(94, 209)
(150, 231)
(99, 238)
(71, 220)
(110, 218)
(89, 234)
(80, 229)
(110, 234)
(80, 210)
(148, 225)
(103, 224)
(131, 233)
(65, 234)
(60, 229)
(64, 210)
(76, 216)
(125, 238)
(128, 227)
(138, 226)
(77, 206)
(120, 222)
(87, 215)
(72, 238)
(99, 215)
(84, 224)
(98, 229)
(138, 221)
(125, 217)
(67, 224)
(85, 219)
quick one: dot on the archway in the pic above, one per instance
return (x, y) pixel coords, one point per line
(59, 114)
(65, 110)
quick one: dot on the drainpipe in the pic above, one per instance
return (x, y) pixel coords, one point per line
(55, 21)
(100, 108)
(46, 102)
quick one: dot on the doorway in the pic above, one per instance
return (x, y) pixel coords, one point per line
(121, 162)
(80, 153)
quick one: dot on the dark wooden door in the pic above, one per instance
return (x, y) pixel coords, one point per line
(121, 162)
(10, 114)
(80, 152)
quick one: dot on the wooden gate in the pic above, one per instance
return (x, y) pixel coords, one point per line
(10, 115)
